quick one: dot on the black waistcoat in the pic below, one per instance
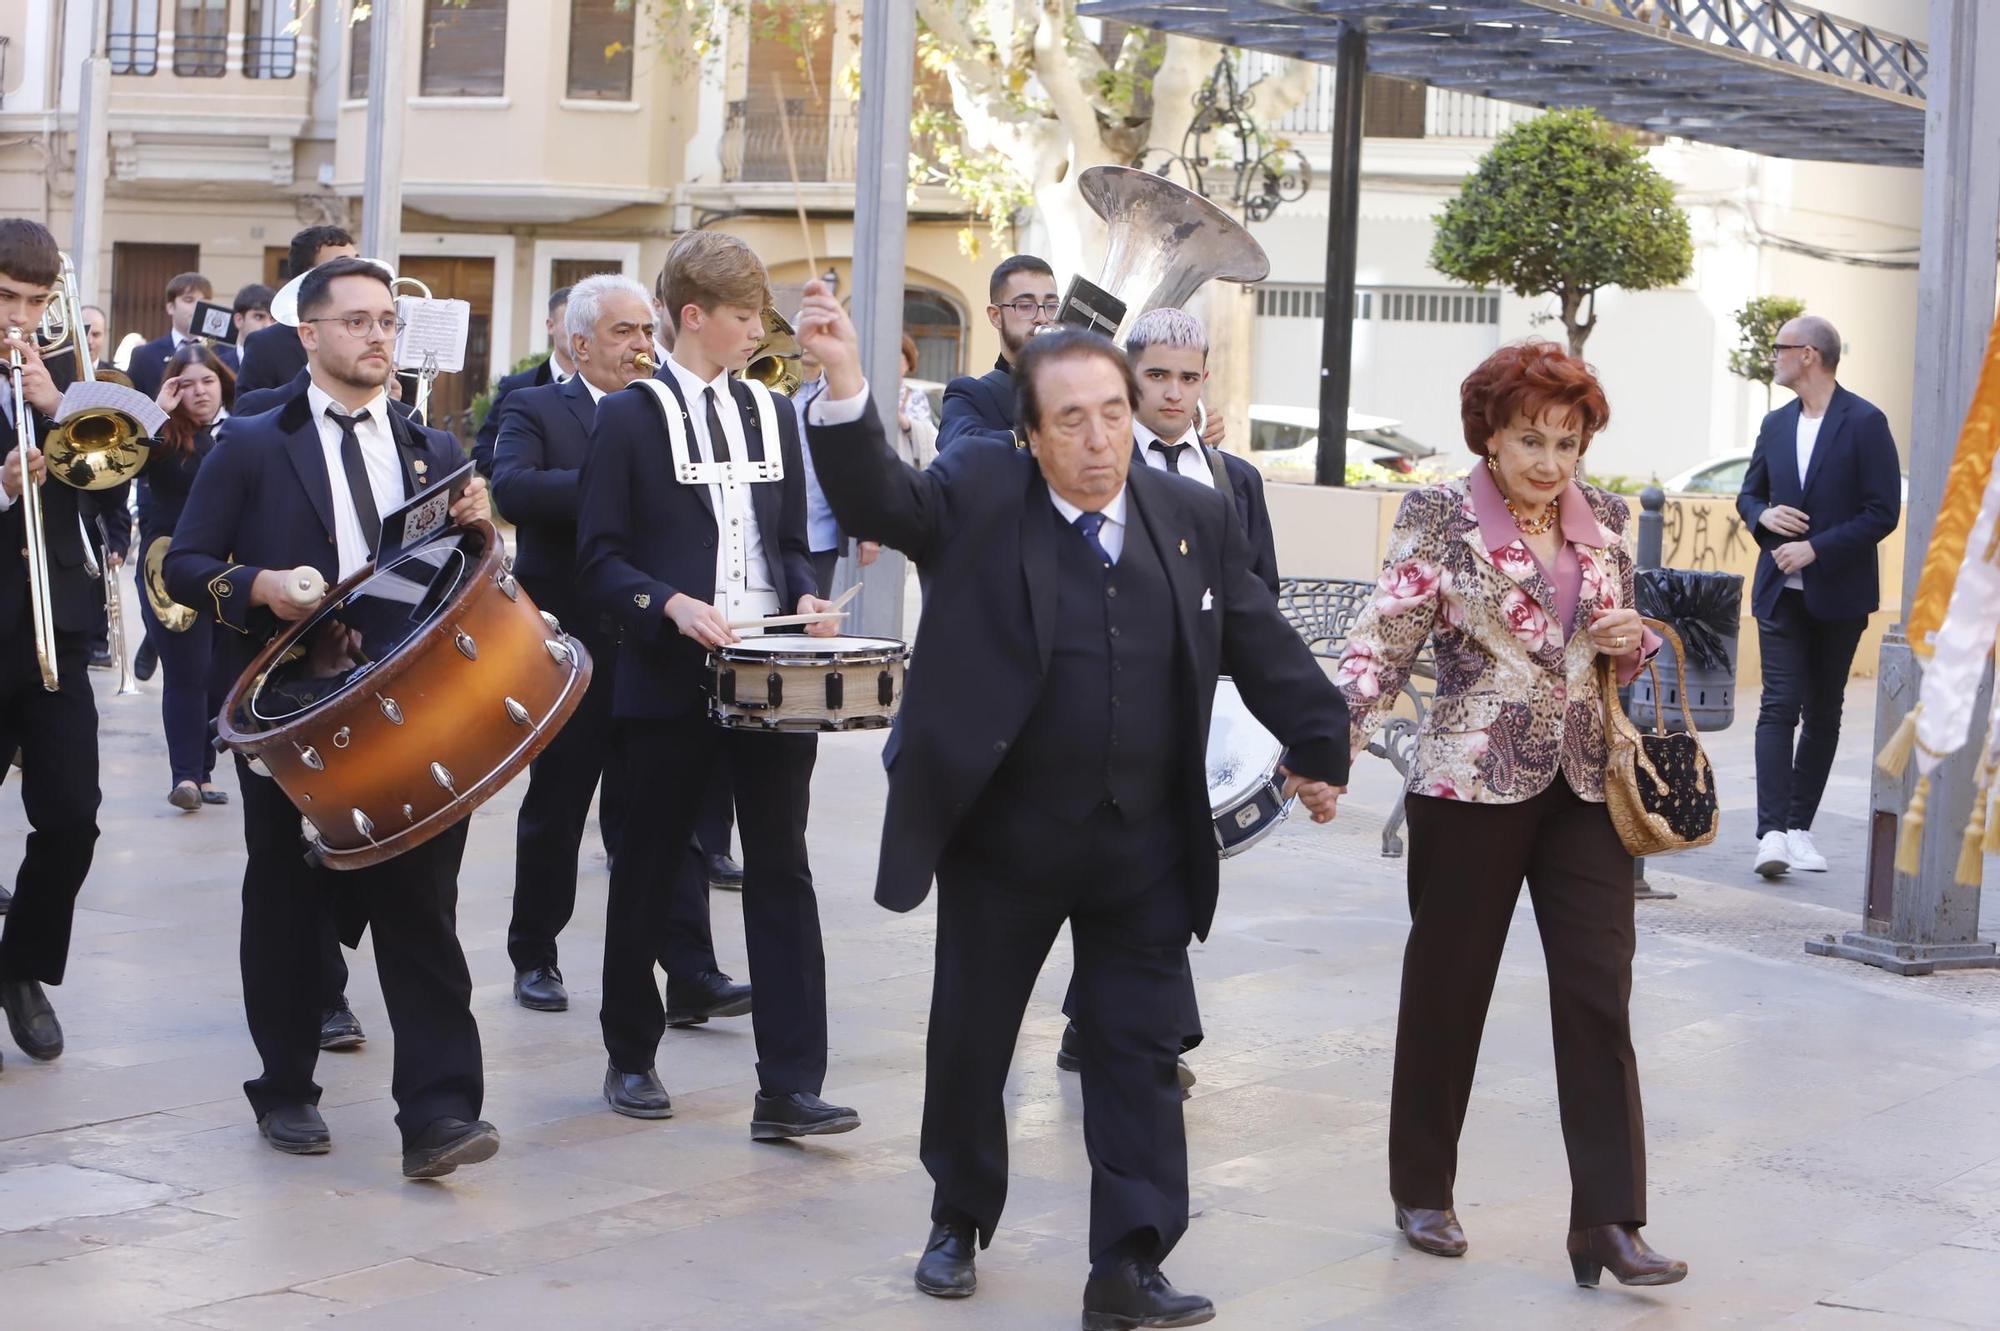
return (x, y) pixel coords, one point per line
(1104, 728)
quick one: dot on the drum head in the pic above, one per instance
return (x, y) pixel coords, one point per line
(1242, 755)
(789, 644)
(347, 640)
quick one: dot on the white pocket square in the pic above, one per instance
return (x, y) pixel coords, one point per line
(1207, 599)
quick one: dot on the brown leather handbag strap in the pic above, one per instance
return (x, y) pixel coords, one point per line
(1673, 639)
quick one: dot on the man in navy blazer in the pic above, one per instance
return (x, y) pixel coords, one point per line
(149, 359)
(1047, 766)
(557, 368)
(1023, 298)
(307, 484)
(543, 439)
(1824, 489)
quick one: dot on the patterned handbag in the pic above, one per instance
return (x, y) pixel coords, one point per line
(1658, 788)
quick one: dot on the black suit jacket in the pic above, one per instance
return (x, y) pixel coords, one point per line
(272, 357)
(262, 500)
(76, 597)
(980, 523)
(1246, 485)
(979, 408)
(1853, 493)
(642, 537)
(261, 400)
(149, 362)
(544, 437)
(535, 376)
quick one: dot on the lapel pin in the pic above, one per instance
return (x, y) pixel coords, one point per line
(1183, 545)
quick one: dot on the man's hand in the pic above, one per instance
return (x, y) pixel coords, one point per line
(1321, 800)
(866, 553)
(10, 476)
(825, 628)
(36, 386)
(114, 559)
(827, 335)
(473, 505)
(269, 590)
(1212, 430)
(1793, 556)
(700, 621)
(1785, 520)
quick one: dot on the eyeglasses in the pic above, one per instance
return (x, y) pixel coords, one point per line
(359, 324)
(1776, 347)
(1026, 306)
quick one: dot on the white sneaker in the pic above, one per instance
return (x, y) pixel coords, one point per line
(1774, 855)
(1804, 854)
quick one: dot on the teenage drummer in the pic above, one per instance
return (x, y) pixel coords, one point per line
(690, 527)
(306, 484)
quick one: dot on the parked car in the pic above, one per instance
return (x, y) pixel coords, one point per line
(1284, 442)
(1724, 476)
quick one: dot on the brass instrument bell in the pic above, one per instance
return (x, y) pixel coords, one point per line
(775, 362)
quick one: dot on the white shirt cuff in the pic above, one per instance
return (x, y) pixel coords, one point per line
(838, 411)
(6, 501)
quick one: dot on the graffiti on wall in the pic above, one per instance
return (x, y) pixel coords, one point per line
(1705, 536)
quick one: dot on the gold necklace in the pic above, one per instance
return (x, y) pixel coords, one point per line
(1524, 525)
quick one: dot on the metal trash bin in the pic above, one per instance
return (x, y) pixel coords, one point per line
(1706, 609)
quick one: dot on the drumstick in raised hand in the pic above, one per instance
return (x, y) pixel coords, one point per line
(788, 621)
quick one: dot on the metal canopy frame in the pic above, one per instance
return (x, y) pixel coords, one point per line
(1765, 76)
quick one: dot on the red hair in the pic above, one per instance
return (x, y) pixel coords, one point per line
(1529, 379)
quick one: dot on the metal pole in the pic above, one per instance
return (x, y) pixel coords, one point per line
(881, 212)
(1915, 924)
(1343, 221)
(92, 108)
(382, 185)
(1652, 529)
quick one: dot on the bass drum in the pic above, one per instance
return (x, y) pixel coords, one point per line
(411, 695)
(1245, 794)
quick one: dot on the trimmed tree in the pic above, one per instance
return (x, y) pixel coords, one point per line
(1757, 325)
(1562, 206)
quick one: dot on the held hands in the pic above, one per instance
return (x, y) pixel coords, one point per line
(10, 476)
(1321, 800)
(828, 336)
(473, 505)
(36, 386)
(1617, 632)
(1785, 520)
(825, 628)
(1793, 556)
(700, 621)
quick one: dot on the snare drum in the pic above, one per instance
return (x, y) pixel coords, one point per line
(791, 681)
(1245, 794)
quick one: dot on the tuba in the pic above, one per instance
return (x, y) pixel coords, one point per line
(775, 362)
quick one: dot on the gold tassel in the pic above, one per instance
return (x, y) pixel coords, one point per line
(1895, 756)
(1971, 850)
(1909, 847)
(1992, 844)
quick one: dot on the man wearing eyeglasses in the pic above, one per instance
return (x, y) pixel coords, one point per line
(1824, 489)
(1024, 300)
(308, 484)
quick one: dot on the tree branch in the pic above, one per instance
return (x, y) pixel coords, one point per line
(1056, 69)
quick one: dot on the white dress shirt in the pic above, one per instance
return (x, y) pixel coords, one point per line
(378, 454)
(742, 573)
(596, 393)
(1808, 439)
(1192, 463)
(822, 528)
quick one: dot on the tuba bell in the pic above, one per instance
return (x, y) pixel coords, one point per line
(104, 444)
(775, 362)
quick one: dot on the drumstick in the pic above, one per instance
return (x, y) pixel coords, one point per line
(787, 621)
(840, 601)
(792, 161)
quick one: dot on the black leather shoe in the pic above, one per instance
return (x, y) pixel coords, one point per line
(339, 1030)
(541, 990)
(637, 1094)
(1069, 1054)
(1135, 1293)
(945, 1271)
(711, 994)
(448, 1143)
(31, 1019)
(296, 1130)
(145, 661)
(725, 874)
(800, 1114)
(100, 658)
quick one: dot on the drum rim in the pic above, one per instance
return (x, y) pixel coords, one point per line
(829, 656)
(251, 743)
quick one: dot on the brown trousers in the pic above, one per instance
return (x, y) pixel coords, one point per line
(1466, 865)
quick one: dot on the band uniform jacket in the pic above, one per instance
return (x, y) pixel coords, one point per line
(1517, 693)
(1853, 492)
(978, 407)
(261, 499)
(642, 536)
(542, 440)
(272, 357)
(980, 524)
(76, 596)
(535, 376)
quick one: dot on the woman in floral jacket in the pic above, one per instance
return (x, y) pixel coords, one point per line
(1519, 578)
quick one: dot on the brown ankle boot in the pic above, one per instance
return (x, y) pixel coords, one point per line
(1620, 1248)
(1434, 1232)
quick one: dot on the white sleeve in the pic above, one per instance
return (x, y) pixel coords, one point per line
(838, 411)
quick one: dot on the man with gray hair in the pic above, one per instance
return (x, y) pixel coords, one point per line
(543, 435)
(1824, 489)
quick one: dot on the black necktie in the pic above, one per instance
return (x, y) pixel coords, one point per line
(718, 442)
(357, 477)
(1172, 453)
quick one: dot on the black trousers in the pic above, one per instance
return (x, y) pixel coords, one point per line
(667, 768)
(56, 734)
(1466, 865)
(1191, 1008)
(410, 906)
(549, 836)
(1006, 885)
(186, 703)
(1806, 661)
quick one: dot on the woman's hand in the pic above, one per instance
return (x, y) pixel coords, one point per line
(1617, 632)
(170, 395)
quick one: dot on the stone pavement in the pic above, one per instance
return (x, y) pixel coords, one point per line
(1824, 1139)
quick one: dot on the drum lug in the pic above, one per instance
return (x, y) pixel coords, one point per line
(725, 686)
(442, 775)
(835, 691)
(390, 709)
(555, 625)
(508, 588)
(310, 757)
(885, 688)
(774, 687)
(517, 713)
(467, 647)
(559, 650)
(409, 814)
(364, 825)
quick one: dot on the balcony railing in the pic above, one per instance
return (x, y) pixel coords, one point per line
(133, 52)
(270, 57)
(201, 55)
(753, 144)
(1446, 114)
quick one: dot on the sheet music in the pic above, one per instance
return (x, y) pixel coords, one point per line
(432, 327)
(82, 396)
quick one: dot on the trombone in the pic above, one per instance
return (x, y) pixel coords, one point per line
(41, 607)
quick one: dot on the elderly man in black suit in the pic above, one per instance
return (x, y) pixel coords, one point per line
(1047, 767)
(1824, 489)
(273, 356)
(556, 369)
(543, 439)
(308, 484)
(184, 292)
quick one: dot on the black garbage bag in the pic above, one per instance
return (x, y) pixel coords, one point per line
(1704, 607)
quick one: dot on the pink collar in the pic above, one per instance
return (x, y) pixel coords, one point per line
(1496, 525)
